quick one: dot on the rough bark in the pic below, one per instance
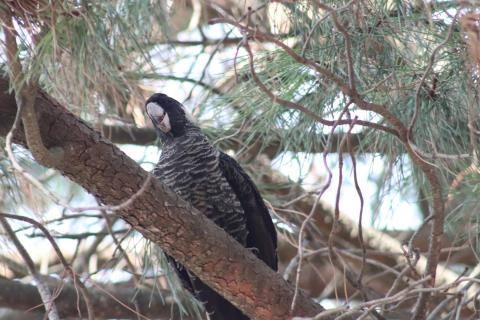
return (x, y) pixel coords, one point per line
(21, 296)
(159, 214)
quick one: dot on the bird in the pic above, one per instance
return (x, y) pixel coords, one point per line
(215, 184)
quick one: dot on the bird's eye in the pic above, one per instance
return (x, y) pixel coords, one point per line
(160, 118)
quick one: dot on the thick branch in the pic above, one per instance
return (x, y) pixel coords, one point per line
(271, 145)
(160, 215)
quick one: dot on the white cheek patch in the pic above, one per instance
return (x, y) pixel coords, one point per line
(159, 117)
(164, 125)
(154, 110)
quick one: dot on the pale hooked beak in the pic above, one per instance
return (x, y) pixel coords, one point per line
(159, 117)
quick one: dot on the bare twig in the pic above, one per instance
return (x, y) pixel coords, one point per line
(68, 269)
(360, 214)
(42, 287)
(411, 289)
(118, 245)
(312, 211)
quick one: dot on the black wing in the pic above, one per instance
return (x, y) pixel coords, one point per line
(261, 231)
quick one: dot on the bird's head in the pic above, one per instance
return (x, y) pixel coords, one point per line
(168, 116)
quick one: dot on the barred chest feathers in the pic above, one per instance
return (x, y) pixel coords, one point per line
(190, 167)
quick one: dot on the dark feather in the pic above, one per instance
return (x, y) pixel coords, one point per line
(261, 231)
(217, 307)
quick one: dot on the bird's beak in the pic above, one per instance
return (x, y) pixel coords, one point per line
(159, 117)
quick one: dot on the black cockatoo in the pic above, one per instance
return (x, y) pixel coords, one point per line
(215, 184)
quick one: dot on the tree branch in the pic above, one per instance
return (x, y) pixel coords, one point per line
(112, 303)
(271, 145)
(25, 94)
(42, 288)
(160, 215)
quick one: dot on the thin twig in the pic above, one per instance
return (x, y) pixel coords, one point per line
(68, 268)
(360, 214)
(312, 211)
(42, 287)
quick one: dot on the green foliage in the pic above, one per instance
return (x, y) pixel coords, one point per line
(87, 53)
(390, 47)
